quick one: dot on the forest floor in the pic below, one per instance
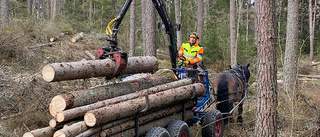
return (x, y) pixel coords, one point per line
(24, 95)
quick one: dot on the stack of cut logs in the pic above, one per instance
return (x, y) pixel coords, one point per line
(116, 109)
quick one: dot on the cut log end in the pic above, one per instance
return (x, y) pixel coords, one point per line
(90, 119)
(28, 134)
(52, 112)
(48, 73)
(60, 117)
(52, 123)
(59, 133)
(58, 103)
(103, 134)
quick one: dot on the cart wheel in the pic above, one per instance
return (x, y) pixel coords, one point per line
(157, 132)
(178, 128)
(210, 126)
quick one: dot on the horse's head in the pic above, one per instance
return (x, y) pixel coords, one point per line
(244, 70)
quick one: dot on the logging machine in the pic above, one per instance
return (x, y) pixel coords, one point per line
(215, 128)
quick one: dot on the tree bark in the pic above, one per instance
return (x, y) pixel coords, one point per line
(291, 55)
(77, 37)
(96, 68)
(4, 14)
(145, 119)
(90, 132)
(177, 11)
(267, 80)
(80, 111)
(132, 27)
(159, 100)
(85, 97)
(150, 30)
(72, 130)
(233, 37)
(42, 132)
(157, 123)
(200, 18)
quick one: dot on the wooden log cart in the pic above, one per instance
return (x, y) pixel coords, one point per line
(163, 103)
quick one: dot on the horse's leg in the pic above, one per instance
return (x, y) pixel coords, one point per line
(240, 109)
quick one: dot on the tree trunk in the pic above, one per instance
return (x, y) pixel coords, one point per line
(233, 37)
(247, 23)
(143, 25)
(291, 55)
(150, 30)
(80, 111)
(145, 119)
(311, 29)
(4, 14)
(132, 27)
(96, 68)
(157, 123)
(200, 18)
(53, 8)
(177, 11)
(42, 132)
(72, 130)
(131, 107)
(266, 76)
(85, 97)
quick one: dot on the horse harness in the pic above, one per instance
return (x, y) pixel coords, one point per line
(240, 77)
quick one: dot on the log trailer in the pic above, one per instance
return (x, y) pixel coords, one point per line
(212, 125)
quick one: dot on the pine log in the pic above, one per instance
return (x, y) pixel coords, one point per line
(72, 130)
(42, 45)
(310, 76)
(89, 55)
(157, 123)
(90, 132)
(96, 68)
(42, 132)
(89, 96)
(80, 111)
(159, 100)
(61, 35)
(145, 119)
(77, 37)
(315, 63)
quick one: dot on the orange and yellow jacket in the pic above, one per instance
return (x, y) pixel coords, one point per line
(193, 54)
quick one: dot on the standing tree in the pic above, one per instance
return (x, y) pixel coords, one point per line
(266, 76)
(177, 12)
(291, 54)
(132, 27)
(312, 19)
(233, 37)
(4, 14)
(143, 24)
(150, 30)
(200, 17)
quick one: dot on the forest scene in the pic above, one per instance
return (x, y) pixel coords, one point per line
(278, 38)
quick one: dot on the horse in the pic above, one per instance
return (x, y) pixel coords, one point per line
(230, 87)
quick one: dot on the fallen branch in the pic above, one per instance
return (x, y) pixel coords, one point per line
(315, 64)
(89, 55)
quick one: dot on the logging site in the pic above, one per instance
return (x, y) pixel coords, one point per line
(154, 68)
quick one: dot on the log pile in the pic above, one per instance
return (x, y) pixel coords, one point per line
(116, 109)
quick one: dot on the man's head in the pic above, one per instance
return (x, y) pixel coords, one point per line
(193, 36)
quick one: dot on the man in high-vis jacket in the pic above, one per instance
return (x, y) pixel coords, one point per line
(190, 54)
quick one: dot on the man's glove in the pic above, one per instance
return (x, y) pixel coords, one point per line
(179, 63)
(187, 62)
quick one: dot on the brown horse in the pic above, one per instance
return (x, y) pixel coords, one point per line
(230, 87)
